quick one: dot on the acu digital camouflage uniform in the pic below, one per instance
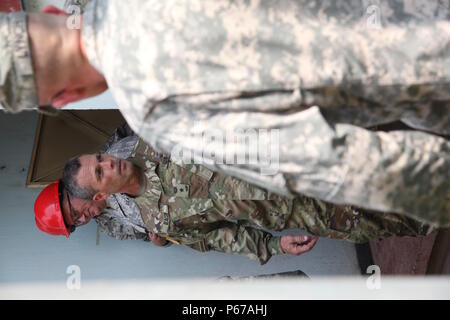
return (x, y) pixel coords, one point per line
(178, 68)
(228, 65)
(192, 206)
(121, 219)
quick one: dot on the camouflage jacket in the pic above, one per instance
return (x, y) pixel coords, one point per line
(192, 206)
(182, 70)
(121, 219)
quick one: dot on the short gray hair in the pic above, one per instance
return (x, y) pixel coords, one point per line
(69, 179)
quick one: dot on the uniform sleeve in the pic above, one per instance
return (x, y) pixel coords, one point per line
(120, 133)
(338, 163)
(118, 230)
(251, 242)
(17, 86)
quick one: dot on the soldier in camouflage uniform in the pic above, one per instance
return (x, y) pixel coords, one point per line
(265, 63)
(192, 206)
(178, 67)
(121, 218)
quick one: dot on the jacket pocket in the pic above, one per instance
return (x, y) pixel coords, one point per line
(181, 208)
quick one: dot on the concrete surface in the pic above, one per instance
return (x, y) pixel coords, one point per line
(341, 288)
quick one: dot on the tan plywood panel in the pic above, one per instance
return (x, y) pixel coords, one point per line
(71, 133)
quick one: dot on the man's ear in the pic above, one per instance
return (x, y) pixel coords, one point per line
(100, 196)
(67, 96)
(54, 10)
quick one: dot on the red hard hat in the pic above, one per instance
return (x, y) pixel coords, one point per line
(48, 213)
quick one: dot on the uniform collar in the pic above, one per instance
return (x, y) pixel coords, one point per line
(142, 183)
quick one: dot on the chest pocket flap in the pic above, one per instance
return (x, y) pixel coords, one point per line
(180, 208)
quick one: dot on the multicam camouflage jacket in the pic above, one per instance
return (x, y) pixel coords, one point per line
(191, 205)
(121, 219)
(317, 72)
(195, 207)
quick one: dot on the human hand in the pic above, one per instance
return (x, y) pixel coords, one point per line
(297, 245)
(157, 240)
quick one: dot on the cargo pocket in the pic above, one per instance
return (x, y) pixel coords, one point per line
(342, 222)
(319, 218)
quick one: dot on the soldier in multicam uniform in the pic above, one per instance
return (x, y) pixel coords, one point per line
(228, 65)
(121, 218)
(192, 206)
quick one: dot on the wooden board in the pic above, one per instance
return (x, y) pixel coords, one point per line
(60, 138)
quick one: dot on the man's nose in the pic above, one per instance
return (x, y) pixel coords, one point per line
(97, 212)
(84, 218)
(108, 164)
